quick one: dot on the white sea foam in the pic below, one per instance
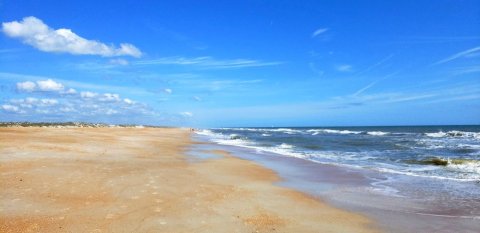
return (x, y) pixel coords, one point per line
(285, 146)
(332, 131)
(341, 131)
(454, 133)
(426, 172)
(469, 169)
(377, 133)
(469, 146)
(206, 132)
(436, 135)
(286, 130)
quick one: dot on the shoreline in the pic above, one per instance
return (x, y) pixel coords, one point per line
(141, 180)
(365, 191)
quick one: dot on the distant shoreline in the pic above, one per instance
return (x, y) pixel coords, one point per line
(76, 124)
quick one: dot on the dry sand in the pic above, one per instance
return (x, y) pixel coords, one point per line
(139, 180)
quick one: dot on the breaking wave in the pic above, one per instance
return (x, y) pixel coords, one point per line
(454, 134)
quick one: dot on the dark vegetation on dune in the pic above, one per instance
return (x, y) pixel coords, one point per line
(64, 124)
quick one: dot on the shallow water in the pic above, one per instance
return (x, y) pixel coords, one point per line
(360, 175)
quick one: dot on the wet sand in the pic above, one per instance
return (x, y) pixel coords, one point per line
(141, 180)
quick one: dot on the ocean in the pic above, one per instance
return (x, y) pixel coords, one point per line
(441, 152)
(406, 178)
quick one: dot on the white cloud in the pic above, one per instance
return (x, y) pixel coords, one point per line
(197, 98)
(319, 32)
(186, 114)
(77, 105)
(344, 68)
(10, 108)
(34, 32)
(30, 102)
(128, 101)
(88, 94)
(48, 102)
(70, 91)
(207, 62)
(467, 53)
(167, 90)
(67, 109)
(49, 85)
(43, 85)
(111, 111)
(110, 97)
(26, 86)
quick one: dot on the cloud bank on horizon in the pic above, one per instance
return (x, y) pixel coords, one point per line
(278, 68)
(55, 101)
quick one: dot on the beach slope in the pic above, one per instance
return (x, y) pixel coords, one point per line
(141, 180)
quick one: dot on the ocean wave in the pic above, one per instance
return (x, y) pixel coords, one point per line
(454, 134)
(206, 132)
(377, 133)
(438, 161)
(466, 145)
(267, 130)
(466, 168)
(341, 131)
(429, 173)
(469, 146)
(235, 137)
(287, 130)
(332, 131)
(285, 146)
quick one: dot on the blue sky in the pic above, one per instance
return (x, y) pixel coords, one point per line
(241, 63)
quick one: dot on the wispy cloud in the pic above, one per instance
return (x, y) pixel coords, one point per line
(319, 31)
(466, 53)
(207, 62)
(466, 70)
(186, 114)
(376, 65)
(34, 32)
(433, 94)
(344, 68)
(364, 88)
(432, 39)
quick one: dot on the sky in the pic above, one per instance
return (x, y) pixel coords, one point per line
(241, 63)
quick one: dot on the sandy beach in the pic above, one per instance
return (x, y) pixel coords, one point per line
(141, 180)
